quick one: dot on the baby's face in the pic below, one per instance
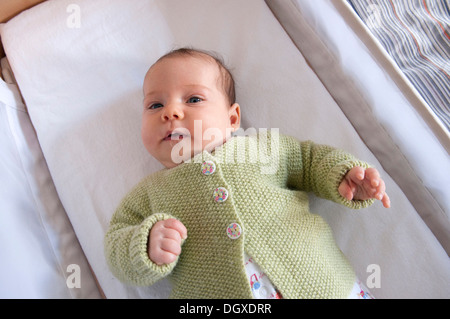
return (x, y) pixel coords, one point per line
(185, 103)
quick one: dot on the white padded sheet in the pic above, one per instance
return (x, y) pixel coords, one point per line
(83, 90)
(37, 242)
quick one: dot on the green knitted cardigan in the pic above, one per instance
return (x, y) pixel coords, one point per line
(293, 246)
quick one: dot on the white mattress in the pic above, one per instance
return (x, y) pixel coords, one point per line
(37, 243)
(82, 87)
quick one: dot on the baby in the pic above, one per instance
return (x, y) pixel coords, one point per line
(211, 220)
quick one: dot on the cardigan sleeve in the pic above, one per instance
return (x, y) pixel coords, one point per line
(320, 169)
(126, 241)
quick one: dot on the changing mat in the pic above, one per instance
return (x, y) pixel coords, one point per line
(80, 69)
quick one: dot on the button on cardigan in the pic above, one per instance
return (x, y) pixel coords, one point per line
(294, 247)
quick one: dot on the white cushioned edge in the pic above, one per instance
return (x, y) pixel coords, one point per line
(38, 243)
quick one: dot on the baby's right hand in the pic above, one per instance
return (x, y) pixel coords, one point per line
(165, 241)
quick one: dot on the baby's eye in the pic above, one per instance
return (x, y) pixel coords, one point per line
(194, 99)
(155, 106)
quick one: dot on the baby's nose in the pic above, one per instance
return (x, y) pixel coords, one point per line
(172, 112)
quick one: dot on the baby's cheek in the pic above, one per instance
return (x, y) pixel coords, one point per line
(149, 143)
(146, 140)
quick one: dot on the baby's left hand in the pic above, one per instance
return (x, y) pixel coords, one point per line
(363, 184)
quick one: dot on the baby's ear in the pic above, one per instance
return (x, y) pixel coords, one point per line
(235, 116)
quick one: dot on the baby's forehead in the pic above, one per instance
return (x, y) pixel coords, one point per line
(204, 61)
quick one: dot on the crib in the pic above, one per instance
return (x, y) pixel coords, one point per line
(71, 102)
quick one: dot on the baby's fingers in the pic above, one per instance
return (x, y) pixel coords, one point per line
(381, 194)
(171, 246)
(165, 240)
(177, 226)
(355, 175)
(374, 185)
(346, 190)
(373, 176)
(162, 256)
(386, 201)
(379, 187)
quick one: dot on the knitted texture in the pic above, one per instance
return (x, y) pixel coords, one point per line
(294, 247)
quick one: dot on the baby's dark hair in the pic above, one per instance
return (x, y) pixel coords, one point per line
(226, 78)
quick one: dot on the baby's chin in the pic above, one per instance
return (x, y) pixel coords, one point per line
(184, 150)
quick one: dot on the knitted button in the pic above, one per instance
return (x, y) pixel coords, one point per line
(220, 194)
(208, 167)
(234, 231)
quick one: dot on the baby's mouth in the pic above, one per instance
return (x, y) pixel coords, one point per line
(176, 135)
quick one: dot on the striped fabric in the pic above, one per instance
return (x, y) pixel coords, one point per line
(416, 34)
